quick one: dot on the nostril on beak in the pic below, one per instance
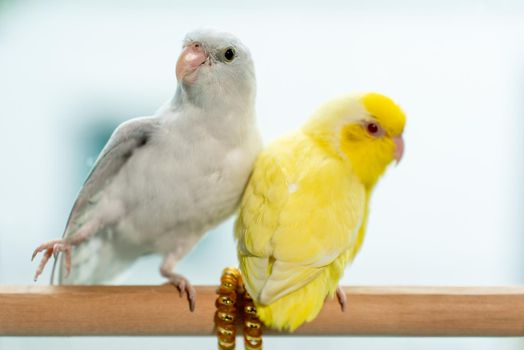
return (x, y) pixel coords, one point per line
(192, 56)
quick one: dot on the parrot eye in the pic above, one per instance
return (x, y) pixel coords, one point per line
(374, 129)
(229, 54)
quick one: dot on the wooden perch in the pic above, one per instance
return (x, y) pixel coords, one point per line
(158, 310)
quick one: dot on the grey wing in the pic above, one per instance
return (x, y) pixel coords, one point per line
(127, 138)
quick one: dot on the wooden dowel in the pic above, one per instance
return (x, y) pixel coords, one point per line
(158, 310)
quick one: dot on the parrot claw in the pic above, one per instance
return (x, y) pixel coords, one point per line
(342, 298)
(52, 248)
(184, 286)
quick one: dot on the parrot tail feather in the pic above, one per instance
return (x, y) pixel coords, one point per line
(302, 305)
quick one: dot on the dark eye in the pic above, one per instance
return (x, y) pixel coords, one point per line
(373, 128)
(229, 54)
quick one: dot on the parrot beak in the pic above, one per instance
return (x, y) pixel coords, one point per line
(399, 148)
(191, 58)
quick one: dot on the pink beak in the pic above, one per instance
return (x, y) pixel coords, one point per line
(399, 148)
(192, 57)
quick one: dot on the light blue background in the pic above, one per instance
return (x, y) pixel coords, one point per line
(449, 214)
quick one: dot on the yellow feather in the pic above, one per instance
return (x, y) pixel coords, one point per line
(304, 211)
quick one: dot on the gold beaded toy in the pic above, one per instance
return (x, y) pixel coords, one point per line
(233, 302)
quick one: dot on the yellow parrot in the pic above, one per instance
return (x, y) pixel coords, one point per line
(304, 211)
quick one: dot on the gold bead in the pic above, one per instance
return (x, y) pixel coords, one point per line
(224, 316)
(226, 344)
(226, 300)
(254, 325)
(224, 331)
(252, 340)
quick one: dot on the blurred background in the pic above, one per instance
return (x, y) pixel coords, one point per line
(449, 214)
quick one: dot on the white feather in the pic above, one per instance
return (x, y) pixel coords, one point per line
(187, 177)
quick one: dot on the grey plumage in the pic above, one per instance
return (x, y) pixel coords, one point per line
(161, 182)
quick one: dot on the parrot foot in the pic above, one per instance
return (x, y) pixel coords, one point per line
(342, 299)
(52, 248)
(184, 286)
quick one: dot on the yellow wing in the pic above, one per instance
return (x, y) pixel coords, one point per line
(298, 227)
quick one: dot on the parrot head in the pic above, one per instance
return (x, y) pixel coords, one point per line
(215, 67)
(365, 130)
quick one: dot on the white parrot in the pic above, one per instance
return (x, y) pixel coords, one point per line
(162, 181)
